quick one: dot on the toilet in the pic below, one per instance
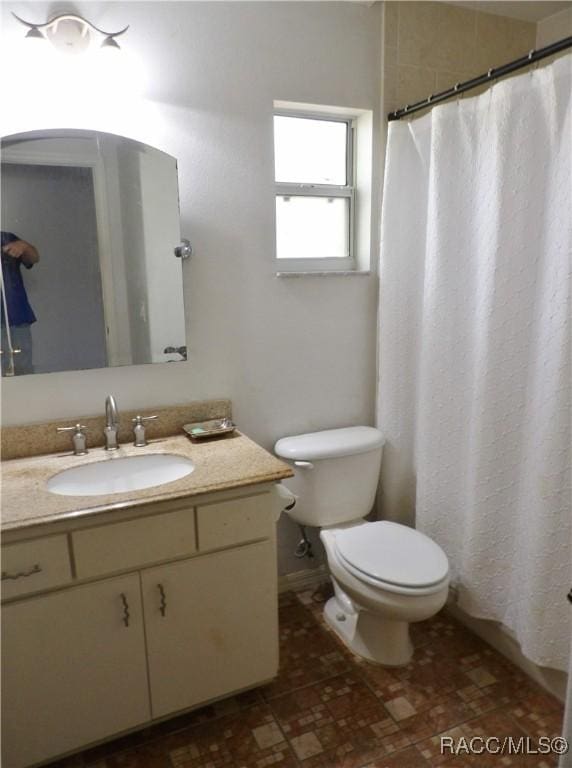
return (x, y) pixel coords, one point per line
(385, 575)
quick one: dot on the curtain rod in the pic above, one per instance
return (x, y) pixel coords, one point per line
(492, 74)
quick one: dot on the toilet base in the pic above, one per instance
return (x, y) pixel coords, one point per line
(369, 635)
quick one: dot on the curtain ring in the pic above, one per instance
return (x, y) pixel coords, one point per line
(535, 64)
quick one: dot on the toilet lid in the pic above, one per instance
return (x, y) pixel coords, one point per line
(393, 553)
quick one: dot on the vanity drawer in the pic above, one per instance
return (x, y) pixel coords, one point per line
(134, 543)
(32, 566)
(234, 522)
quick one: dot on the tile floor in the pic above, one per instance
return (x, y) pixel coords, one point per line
(328, 709)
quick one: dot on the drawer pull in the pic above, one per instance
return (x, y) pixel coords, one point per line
(21, 574)
(125, 609)
(163, 606)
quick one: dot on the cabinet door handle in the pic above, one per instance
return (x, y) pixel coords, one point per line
(163, 606)
(21, 574)
(125, 609)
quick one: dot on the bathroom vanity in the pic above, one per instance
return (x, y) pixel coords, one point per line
(122, 610)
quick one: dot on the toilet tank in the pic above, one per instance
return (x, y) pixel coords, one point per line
(337, 472)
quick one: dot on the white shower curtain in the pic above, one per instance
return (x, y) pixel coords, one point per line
(475, 377)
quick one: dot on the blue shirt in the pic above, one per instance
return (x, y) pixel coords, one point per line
(19, 310)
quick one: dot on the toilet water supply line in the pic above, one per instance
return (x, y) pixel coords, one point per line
(304, 548)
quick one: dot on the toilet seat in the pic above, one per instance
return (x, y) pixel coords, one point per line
(393, 557)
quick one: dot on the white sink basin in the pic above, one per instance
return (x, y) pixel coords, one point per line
(119, 475)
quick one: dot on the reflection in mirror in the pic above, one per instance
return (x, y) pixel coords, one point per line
(89, 278)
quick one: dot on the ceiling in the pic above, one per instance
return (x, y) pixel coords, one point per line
(527, 10)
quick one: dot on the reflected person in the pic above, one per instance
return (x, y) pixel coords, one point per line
(16, 252)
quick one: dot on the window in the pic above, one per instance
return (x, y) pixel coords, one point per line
(315, 192)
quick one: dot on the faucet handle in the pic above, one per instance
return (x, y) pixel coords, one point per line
(138, 419)
(78, 439)
(139, 429)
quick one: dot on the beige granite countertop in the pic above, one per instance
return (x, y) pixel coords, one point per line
(221, 464)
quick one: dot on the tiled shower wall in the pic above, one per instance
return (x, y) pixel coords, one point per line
(430, 46)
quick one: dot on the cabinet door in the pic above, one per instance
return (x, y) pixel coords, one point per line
(211, 626)
(72, 671)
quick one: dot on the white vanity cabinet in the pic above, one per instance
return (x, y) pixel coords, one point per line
(73, 669)
(164, 609)
(211, 626)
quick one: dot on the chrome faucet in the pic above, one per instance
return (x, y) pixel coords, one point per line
(111, 424)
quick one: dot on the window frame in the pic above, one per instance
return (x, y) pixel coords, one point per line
(344, 191)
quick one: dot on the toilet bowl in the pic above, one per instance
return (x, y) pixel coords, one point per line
(385, 575)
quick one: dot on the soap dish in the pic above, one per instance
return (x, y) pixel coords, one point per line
(201, 429)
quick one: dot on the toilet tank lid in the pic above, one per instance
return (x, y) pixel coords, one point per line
(329, 444)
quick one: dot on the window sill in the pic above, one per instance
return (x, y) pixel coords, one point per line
(327, 273)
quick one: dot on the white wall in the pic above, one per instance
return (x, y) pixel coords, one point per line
(554, 28)
(293, 354)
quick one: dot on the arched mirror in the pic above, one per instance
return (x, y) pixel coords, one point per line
(90, 279)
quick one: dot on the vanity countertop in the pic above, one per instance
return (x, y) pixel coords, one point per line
(228, 462)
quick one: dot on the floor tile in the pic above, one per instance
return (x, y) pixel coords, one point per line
(343, 716)
(352, 753)
(481, 676)
(400, 708)
(329, 709)
(502, 694)
(440, 627)
(460, 750)
(306, 745)
(307, 655)
(229, 706)
(499, 725)
(538, 715)
(448, 712)
(439, 750)
(267, 735)
(251, 738)
(408, 758)
(343, 700)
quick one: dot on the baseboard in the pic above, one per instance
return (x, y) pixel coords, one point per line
(311, 577)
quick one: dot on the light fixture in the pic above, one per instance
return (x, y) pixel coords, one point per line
(34, 34)
(110, 42)
(70, 33)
